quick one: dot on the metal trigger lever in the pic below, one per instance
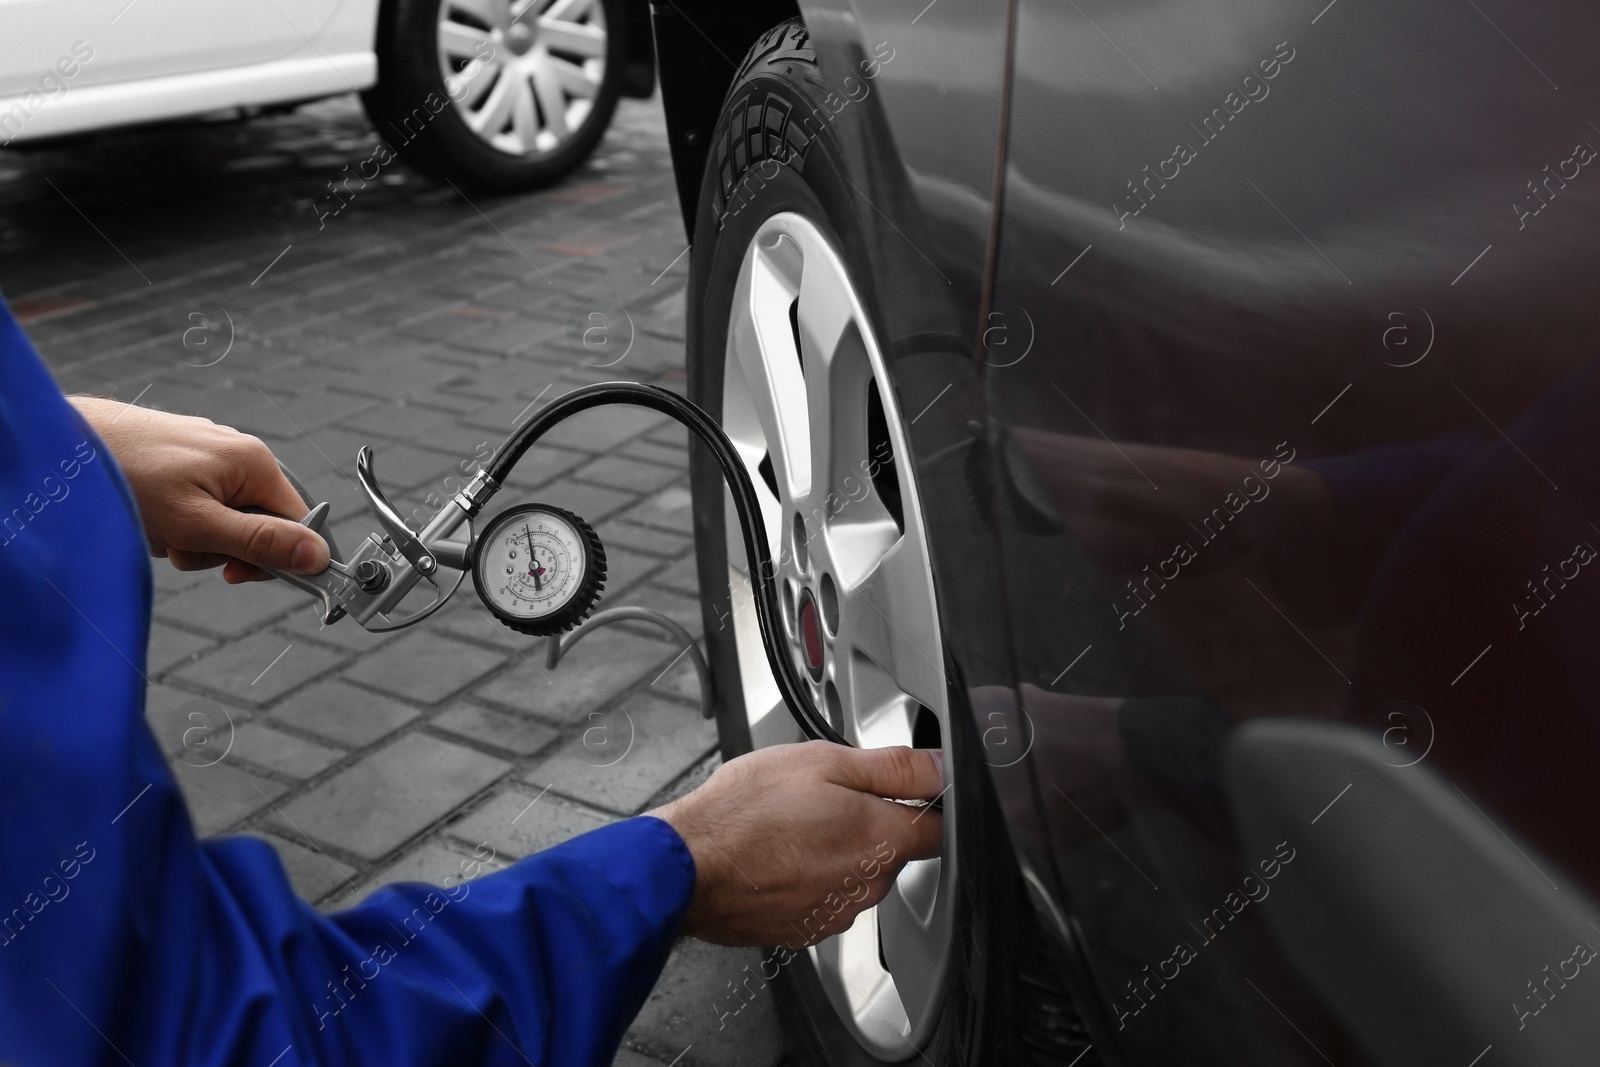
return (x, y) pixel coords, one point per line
(407, 542)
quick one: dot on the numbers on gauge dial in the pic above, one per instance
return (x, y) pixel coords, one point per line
(535, 563)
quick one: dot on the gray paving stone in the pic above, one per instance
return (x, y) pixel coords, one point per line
(503, 382)
(166, 715)
(169, 579)
(416, 373)
(512, 734)
(170, 646)
(627, 754)
(294, 757)
(591, 502)
(693, 1005)
(620, 472)
(540, 465)
(383, 800)
(602, 429)
(222, 610)
(447, 326)
(344, 714)
(402, 420)
(345, 633)
(643, 538)
(680, 680)
(220, 795)
(624, 570)
(672, 435)
(274, 418)
(524, 298)
(425, 667)
(654, 453)
(327, 450)
(182, 721)
(509, 336)
(670, 509)
(406, 466)
(259, 668)
(683, 610)
(603, 665)
(683, 576)
(467, 617)
(520, 821)
(313, 873)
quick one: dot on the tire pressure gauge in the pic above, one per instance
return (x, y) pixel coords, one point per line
(539, 568)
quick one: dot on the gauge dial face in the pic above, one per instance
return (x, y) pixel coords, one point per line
(531, 562)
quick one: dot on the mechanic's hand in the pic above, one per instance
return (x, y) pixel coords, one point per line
(188, 476)
(791, 842)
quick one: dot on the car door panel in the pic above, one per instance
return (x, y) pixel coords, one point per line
(1293, 332)
(144, 39)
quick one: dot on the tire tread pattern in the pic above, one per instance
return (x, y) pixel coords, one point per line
(762, 126)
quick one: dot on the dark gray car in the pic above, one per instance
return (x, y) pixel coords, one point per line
(1184, 416)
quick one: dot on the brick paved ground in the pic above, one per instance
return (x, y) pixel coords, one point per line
(425, 325)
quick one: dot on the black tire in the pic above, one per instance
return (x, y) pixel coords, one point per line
(1003, 1001)
(413, 111)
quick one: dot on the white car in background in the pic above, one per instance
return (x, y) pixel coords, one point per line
(496, 95)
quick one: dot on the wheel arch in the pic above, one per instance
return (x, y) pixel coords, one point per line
(699, 46)
(640, 79)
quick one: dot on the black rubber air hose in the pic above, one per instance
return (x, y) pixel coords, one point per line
(763, 573)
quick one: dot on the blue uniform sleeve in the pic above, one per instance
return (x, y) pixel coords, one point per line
(124, 940)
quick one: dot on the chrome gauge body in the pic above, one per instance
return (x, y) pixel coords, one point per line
(540, 569)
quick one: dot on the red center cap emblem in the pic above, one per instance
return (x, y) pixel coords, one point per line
(811, 634)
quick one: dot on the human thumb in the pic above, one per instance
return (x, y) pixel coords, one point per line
(267, 541)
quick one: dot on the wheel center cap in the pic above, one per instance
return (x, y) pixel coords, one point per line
(520, 37)
(811, 634)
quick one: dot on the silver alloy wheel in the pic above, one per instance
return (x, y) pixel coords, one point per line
(857, 590)
(524, 74)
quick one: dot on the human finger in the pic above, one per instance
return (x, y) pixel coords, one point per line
(261, 482)
(238, 572)
(918, 833)
(266, 541)
(898, 772)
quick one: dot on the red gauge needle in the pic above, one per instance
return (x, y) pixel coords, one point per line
(534, 570)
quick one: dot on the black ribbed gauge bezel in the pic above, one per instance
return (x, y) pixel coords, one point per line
(590, 584)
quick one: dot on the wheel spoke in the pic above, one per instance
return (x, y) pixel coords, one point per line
(849, 963)
(551, 102)
(492, 13)
(889, 617)
(575, 38)
(762, 342)
(569, 10)
(903, 927)
(569, 77)
(837, 378)
(459, 41)
(524, 117)
(479, 84)
(491, 118)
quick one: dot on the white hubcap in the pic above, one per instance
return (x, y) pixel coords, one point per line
(524, 73)
(857, 590)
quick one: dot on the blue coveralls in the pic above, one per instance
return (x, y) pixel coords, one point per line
(124, 940)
